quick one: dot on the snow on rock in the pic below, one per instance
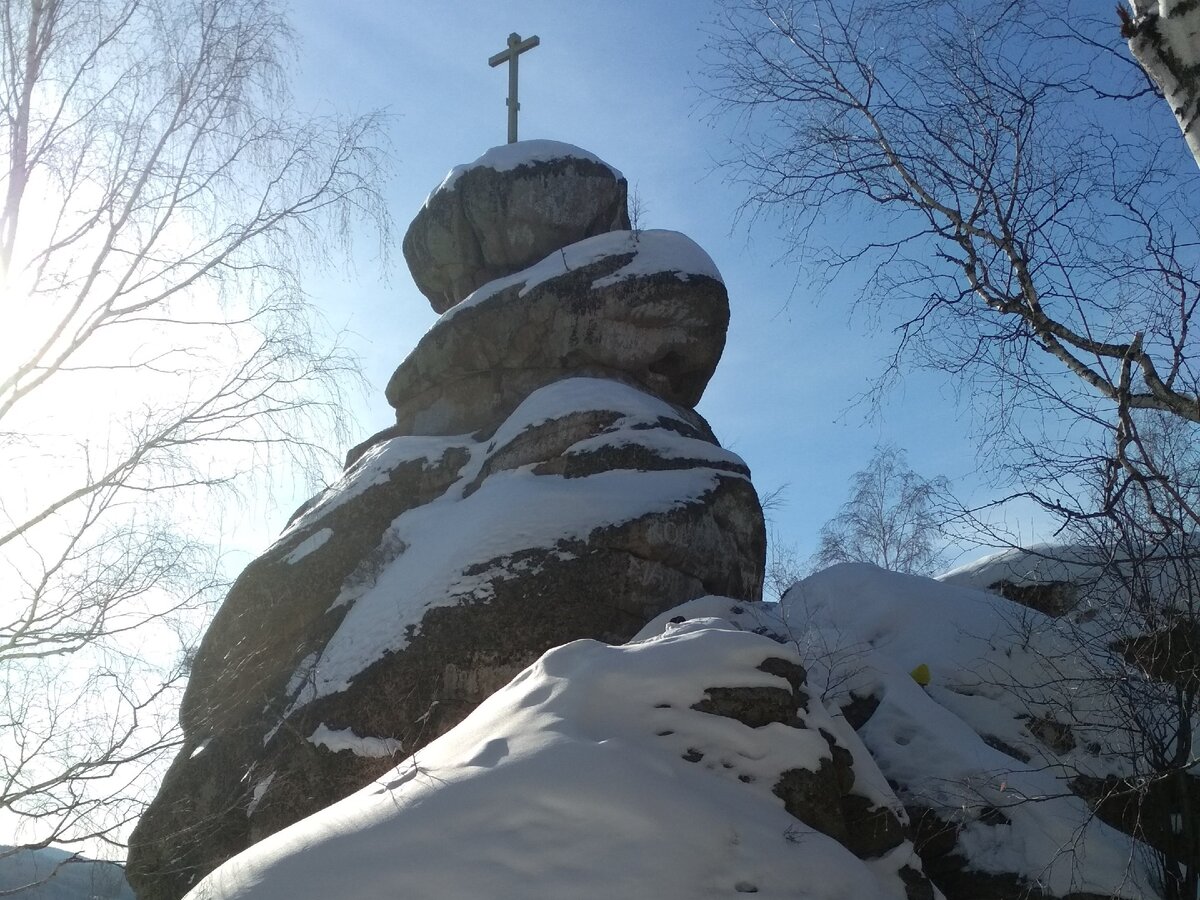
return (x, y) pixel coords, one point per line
(596, 773)
(1086, 584)
(649, 307)
(650, 253)
(448, 542)
(522, 153)
(1037, 564)
(339, 739)
(1018, 717)
(505, 211)
(314, 541)
(260, 789)
(547, 479)
(1015, 711)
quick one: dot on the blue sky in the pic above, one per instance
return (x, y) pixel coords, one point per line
(622, 79)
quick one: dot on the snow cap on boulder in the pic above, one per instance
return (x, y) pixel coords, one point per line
(507, 210)
(649, 307)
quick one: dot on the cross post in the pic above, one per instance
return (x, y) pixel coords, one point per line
(516, 47)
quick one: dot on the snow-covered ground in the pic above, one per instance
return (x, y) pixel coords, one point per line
(591, 775)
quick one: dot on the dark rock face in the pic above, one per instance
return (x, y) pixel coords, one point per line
(1054, 598)
(1171, 654)
(951, 872)
(547, 480)
(489, 220)
(823, 798)
(1153, 809)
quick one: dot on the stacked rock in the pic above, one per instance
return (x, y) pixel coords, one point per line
(547, 479)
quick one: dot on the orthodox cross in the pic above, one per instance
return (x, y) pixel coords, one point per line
(516, 47)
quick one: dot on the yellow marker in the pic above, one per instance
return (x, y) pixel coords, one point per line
(921, 675)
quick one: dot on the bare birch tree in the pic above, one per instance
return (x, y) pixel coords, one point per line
(158, 203)
(1032, 232)
(890, 518)
(1164, 37)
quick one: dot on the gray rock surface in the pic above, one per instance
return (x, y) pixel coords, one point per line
(507, 210)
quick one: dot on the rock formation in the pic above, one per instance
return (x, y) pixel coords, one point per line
(516, 651)
(509, 209)
(547, 479)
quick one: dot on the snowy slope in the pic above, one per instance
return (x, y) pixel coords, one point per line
(574, 781)
(592, 775)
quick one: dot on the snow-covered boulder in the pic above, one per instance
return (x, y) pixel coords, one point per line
(1084, 581)
(547, 480)
(507, 210)
(987, 757)
(667, 768)
(424, 580)
(648, 308)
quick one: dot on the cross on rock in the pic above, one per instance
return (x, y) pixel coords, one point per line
(516, 46)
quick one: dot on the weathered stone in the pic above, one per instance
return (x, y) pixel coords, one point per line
(278, 611)
(1054, 598)
(871, 831)
(822, 799)
(753, 706)
(936, 840)
(916, 885)
(505, 212)
(814, 798)
(241, 707)
(1170, 654)
(1008, 749)
(1152, 809)
(858, 710)
(547, 479)
(661, 330)
(1058, 736)
(793, 673)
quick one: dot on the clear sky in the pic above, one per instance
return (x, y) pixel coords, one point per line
(622, 79)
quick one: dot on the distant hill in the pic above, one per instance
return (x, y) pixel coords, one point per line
(82, 880)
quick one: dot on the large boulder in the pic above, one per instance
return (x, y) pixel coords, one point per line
(547, 479)
(505, 211)
(433, 572)
(986, 750)
(648, 308)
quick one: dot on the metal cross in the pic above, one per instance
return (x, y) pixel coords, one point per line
(516, 47)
